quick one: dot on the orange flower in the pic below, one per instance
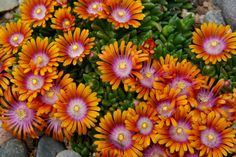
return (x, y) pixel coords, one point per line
(74, 47)
(123, 13)
(213, 42)
(63, 20)
(114, 139)
(148, 46)
(156, 151)
(37, 11)
(176, 137)
(212, 136)
(120, 63)
(6, 61)
(17, 118)
(39, 56)
(77, 108)
(29, 85)
(142, 122)
(13, 36)
(88, 9)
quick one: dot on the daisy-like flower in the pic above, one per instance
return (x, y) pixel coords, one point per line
(39, 56)
(119, 63)
(155, 151)
(165, 103)
(6, 61)
(213, 136)
(29, 86)
(114, 139)
(44, 103)
(63, 20)
(148, 46)
(123, 13)
(151, 73)
(88, 9)
(77, 108)
(37, 12)
(17, 118)
(74, 47)
(176, 137)
(13, 36)
(142, 121)
(213, 42)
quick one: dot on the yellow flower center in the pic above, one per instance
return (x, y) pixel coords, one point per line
(94, 6)
(181, 85)
(210, 137)
(121, 13)
(120, 137)
(122, 65)
(15, 38)
(38, 11)
(214, 43)
(67, 22)
(76, 108)
(21, 113)
(164, 108)
(179, 130)
(39, 60)
(50, 94)
(144, 125)
(203, 99)
(34, 81)
(148, 74)
(75, 47)
(146, 46)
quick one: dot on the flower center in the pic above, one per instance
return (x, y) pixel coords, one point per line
(144, 125)
(214, 43)
(122, 65)
(39, 60)
(50, 94)
(210, 137)
(76, 108)
(179, 130)
(121, 13)
(164, 108)
(67, 22)
(148, 74)
(120, 137)
(203, 99)
(147, 46)
(21, 113)
(181, 85)
(34, 81)
(94, 6)
(38, 11)
(15, 38)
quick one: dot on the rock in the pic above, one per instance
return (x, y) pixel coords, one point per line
(4, 135)
(13, 148)
(8, 16)
(194, 2)
(229, 11)
(201, 10)
(6, 5)
(214, 16)
(47, 147)
(216, 2)
(68, 153)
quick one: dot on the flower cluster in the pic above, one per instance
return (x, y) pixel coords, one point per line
(47, 54)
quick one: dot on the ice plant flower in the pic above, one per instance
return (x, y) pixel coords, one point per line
(142, 122)
(120, 62)
(213, 42)
(155, 150)
(88, 9)
(74, 46)
(176, 137)
(166, 102)
(77, 108)
(148, 46)
(37, 12)
(123, 13)
(114, 139)
(6, 61)
(29, 86)
(13, 36)
(63, 20)
(17, 118)
(39, 56)
(213, 135)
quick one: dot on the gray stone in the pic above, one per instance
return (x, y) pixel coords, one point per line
(6, 5)
(68, 153)
(13, 148)
(214, 16)
(47, 147)
(217, 2)
(229, 11)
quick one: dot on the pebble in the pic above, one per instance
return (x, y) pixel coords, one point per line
(229, 11)
(68, 153)
(214, 16)
(13, 148)
(6, 5)
(4, 135)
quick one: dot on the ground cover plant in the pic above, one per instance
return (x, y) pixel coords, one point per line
(119, 78)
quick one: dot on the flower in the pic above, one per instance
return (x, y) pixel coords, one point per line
(165, 102)
(6, 61)
(142, 122)
(120, 63)
(148, 46)
(13, 36)
(212, 136)
(44, 103)
(39, 56)
(17, 118)
(123, 13)
(77, 108)
(213, 42)
(74, 47)
(114, 139)
(63, 20)
(176, 137)
(29, 85)
(37, 12)
(88, 9)
(155, 150)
